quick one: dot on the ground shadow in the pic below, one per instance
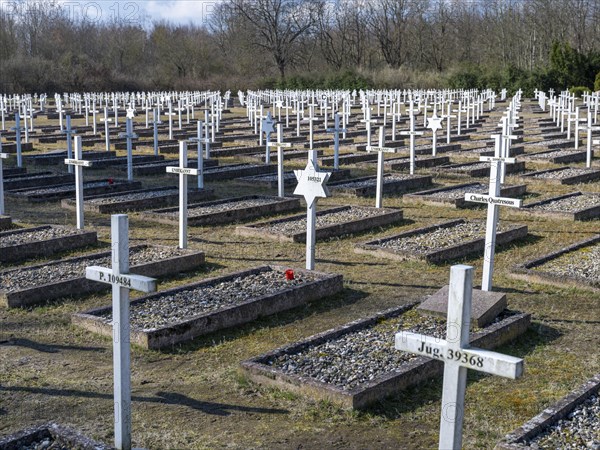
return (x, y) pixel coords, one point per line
(48, 348)
(169, 398)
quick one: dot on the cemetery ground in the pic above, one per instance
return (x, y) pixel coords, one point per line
(194, 395)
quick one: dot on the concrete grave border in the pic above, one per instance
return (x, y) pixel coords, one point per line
(389, 187)
(582, 214)
(427, 197)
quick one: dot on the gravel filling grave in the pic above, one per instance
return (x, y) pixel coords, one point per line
(553, 154)
(360, 356)
(197, 211)
(441, 237)
(582, 263)
(88, 184)
(580, 430)
(460, 192)
(571, 204)
(544, 143)
(481, 165)
(563, 173)
(273, 177)
(325, 219)
(35, 236)
(371, 182)
(45, 444)
(183, 305)
(134, 196)
(25, 278)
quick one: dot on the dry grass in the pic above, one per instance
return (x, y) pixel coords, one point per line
(193, 396)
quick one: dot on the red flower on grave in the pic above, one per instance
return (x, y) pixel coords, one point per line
(111, 181)
(289, 274)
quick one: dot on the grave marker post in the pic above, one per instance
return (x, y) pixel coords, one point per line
(589, 128)
(200, 140)
(155, 122)
(170, 114)
(17, 129)
(267, 127)
(69, 133)
(106, 121)
(336, 130)
(493, 200)
(183, 172)
(434, 123)
(312, 184)
(448, 116)
(380, 151)
(129, 135)
(79, 164)
(311, 118)
(122, 281)
(458, 356)
(280, 146)
(412, 133)
(2, 156)
(368, 121)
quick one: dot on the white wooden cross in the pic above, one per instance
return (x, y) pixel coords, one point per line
(17, 129)
(336, 130)
(493, 200)
(310, 119)
(200, 140)
(368, 121)
(170, 114)
(458, 356)
(448, 116)
(267, 127)
(122, 282)
(79, 164)
(69, 133)
(280, 146)
(155, 122)
(412, 133)
(106, 121)
(434, 123)
(129, 135)
(380, 149)
(2, 156)
(589, 128)
(312, 184)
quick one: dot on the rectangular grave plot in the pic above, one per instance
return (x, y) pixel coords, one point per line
(289, 179)
(37, 180)
(137, 200)
(420, 162)
(218, 318)
(60, 191)
(442, 254)
(573, 206)
(5, 222)
(574, 265)
(77, 285)
(289, 154)
(477, 169)
(48, 159)
(346, 159)
(43, 241)
(9, 171)
(236, 171)
(121, 161)
(58, 436)
(159, 168)
(286, 229)
(557, 156)
(522, 437)
(453, 196)
(563, 175)
(231, 210)
(408, 374)
(392, 184)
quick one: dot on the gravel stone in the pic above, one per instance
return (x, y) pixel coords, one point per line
(174, 308)
(583, 263)
(36, 236)
(563, 173)
(580, 430)
(373, 181)
(324, 219)
(133, 196)
(441, 237)
(45, 444)
(459, 192)
(549, 155)
(198, 211)
(15, 280)
(571, 204)
(66, 188)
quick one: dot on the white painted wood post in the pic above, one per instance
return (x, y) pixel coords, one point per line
(2, 156)
(78, 163)
(280, 146)
(106, 120)
(17, 129)
(336, 130)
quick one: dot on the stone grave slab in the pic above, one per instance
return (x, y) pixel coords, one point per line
(9, 147)
(564, 175)
(27, 243)
(486, 305)
(233, 171)
(392, 184)
(441, 242)
(10, 171)
(5, 222)
(575, 265)
(288, 154)
(556, 156)
(58, 157)
(336, 375)
(454, 196)
(60, 191)
(348, 158)
(476, 169)
(186, 312)
(35, 285)
(231, 210)
(158, 168)
(554, 427)
(403, 163)
(137, 200)
(289, 179)
(573, 206)
(36, 180)
(50, 436)
(331, 222)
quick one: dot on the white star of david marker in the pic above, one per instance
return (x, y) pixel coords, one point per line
(434, 123)
(268, 124)
(130, 113)
(311, 183)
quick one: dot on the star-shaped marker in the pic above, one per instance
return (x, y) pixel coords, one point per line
(268, 124)
(130, 113)
(311, 183)
(434, 123)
